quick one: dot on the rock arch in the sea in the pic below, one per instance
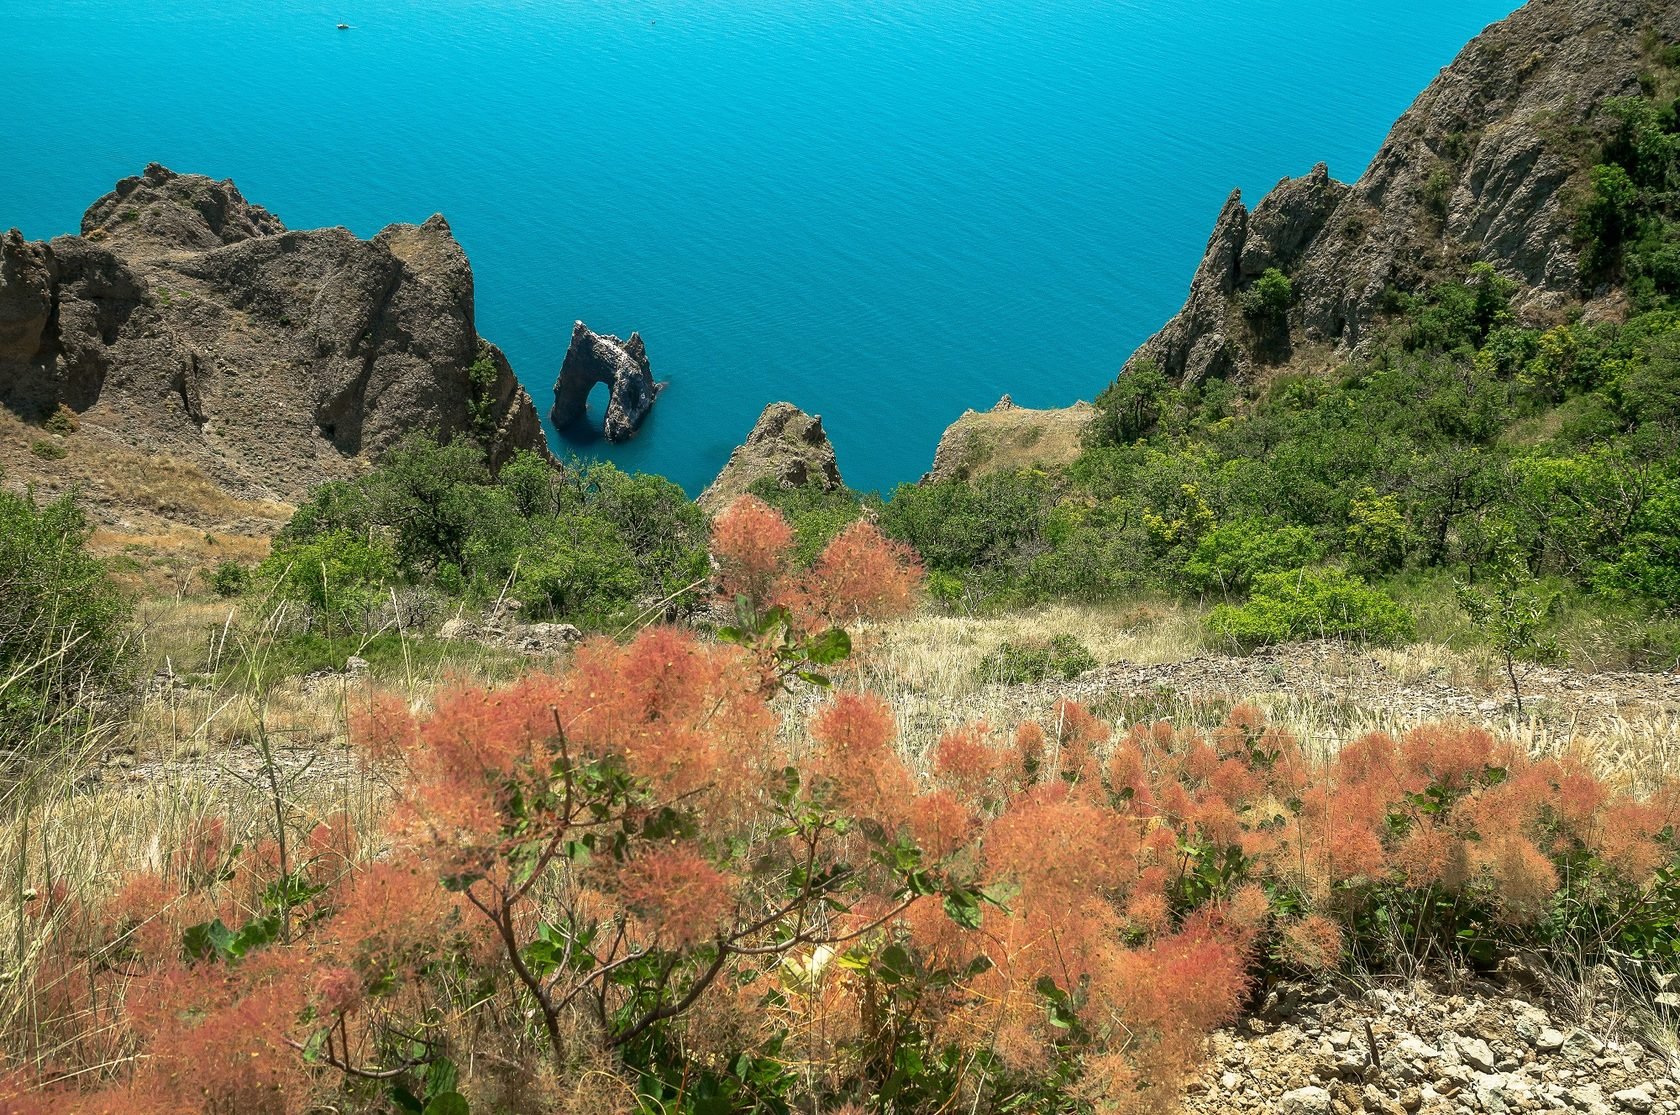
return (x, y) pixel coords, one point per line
(621, 365)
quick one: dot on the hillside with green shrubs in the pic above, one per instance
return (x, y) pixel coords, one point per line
(1463, 451)
(904, 803)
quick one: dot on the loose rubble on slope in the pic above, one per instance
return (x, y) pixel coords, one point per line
(1419, 1048)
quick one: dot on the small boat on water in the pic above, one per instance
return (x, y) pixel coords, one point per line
(344, 27)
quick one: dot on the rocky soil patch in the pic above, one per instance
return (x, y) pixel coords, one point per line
(1396, 1050)
(1343, 679)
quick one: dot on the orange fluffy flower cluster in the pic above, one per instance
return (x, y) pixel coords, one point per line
(640, 842)
(860, 575)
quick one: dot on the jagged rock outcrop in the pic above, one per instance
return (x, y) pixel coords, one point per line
(186, 320)
(786, 445)
(1007, 437)
(1476, 170)
(622, 365)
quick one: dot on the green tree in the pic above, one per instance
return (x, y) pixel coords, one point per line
(1129, 408)
(1512, 613)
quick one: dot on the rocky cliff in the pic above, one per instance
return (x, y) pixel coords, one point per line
(1009, 437)
(1480, 168)
(786, 445)
(185, 320)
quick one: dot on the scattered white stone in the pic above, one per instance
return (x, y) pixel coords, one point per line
(1476, 1053)
(1637, 1100)
(1305, 1101)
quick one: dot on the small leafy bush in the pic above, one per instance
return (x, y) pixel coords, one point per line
(230, 578)
(1021, 663)
(341, 578)
(1229, 557)
(1322, 603)
(1269, 299)
(62, 421)
(63, 623)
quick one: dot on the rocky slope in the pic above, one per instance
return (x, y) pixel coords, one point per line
(1489, 1047)
(786, 445)
(1480, 168)
(185, 320)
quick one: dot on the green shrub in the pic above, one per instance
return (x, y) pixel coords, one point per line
(1129, 408)
(1024, 662)
(229, 579)
(1311, 604)
(816, 513)
(48, 450)
(1269, 299)
(62, 622)
(62, 421)
(1438, 189)
(991, 528)
(582, 571)
(587, 543)
(1647, 563)
(1229, 557)
(340, 577)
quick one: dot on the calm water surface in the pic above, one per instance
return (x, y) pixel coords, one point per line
(882, 212)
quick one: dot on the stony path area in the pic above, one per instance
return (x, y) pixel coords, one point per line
(1400, 1049)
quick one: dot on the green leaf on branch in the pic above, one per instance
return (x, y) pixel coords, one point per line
(832, 646)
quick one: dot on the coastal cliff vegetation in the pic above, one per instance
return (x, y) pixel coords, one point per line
(498, 784)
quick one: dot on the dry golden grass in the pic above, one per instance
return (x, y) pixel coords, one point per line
(926, 666)
(148, 493)
(984, 442)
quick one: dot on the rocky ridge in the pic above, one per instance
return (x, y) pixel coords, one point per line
(786, 445)
(186, 320)
(1480, 168)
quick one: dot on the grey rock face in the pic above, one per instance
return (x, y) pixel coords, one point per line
(186, 320)
(26, 282)
(1476, 170)
(165, 210)
(622, 365)
(786, 445)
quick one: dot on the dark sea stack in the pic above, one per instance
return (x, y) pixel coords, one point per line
(186, 321)
(1477, 170)
(786, 445)
(622, 365)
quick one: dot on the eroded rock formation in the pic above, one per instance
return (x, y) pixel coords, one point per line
(186, 320)
(1476, 170)
(622, 365)
(788, 446)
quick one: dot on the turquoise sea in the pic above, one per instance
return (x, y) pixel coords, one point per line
(883, 212)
